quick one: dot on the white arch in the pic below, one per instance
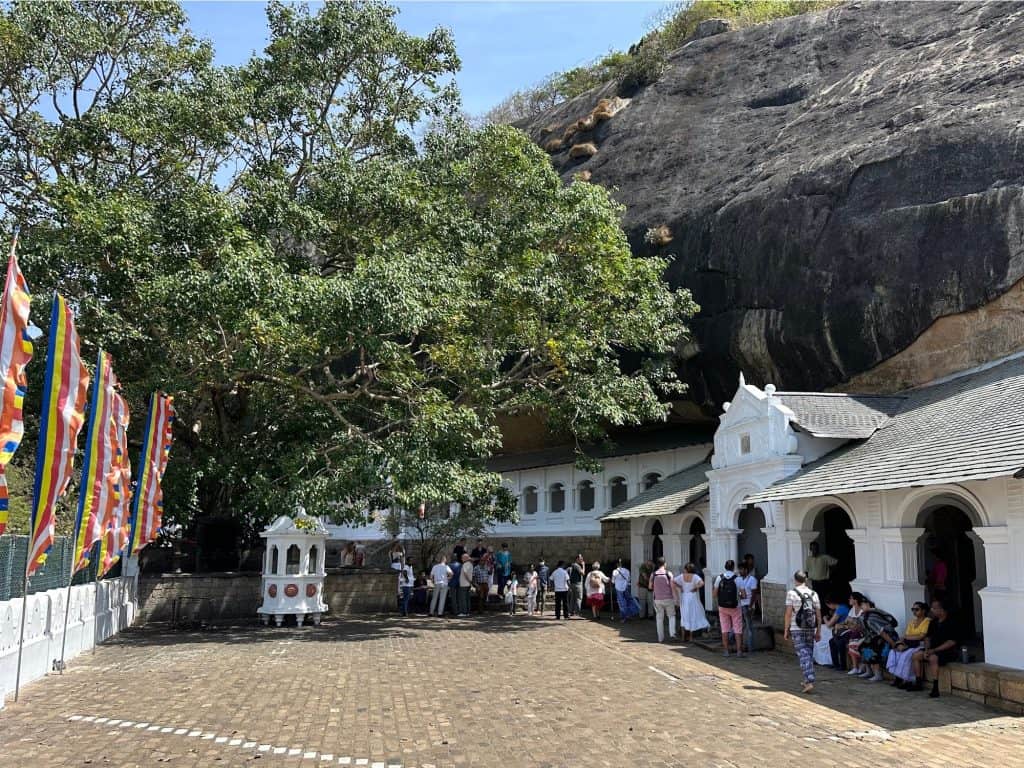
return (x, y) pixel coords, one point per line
(731, 512)
(910, 509)
(806, 520)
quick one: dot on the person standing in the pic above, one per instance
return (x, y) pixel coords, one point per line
(465, 584)
(620, 580)
(478, 551)
(595, 590)
(803, 624)
(664, 600)
(458, 551)
(543, 584)
(511, 588)
(502, 567)
(397, 556)
(691, 610)
(560, 584)
(643, 592)
(440, 574)
(482, 575)
(532, 587)
(406, 578)
(726, 592)
(817, 567)
(747, 584)
(576, 573)
(755, 599)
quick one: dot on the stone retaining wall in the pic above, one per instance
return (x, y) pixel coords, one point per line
(231, 596)
(998, 687)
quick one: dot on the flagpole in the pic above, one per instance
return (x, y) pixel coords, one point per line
(67, 613)
(24, 612)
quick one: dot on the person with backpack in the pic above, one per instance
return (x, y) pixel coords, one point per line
(803, 625)
(664, 600)
(730, 617)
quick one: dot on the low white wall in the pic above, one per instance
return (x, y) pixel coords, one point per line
(93, 618)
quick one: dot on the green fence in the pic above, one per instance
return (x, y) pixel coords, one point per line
(14, 550)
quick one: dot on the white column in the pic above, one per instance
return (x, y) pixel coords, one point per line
(1002, 598)
(898, 587)
(637, 550)
(706, 573)
(673, 551)
(684, 548)
(797, 548)
(721, 547)
(776, 572)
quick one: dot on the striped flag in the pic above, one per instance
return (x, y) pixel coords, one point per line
(64, 391)
(96, 492)
(147, 505)
(16, 336)
(117, 522)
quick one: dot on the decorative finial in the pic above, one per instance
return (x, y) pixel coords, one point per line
(725, 406)
(769, 389)
(743, 381)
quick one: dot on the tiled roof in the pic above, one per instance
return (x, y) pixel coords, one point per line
(675, 491)
(966, 428)
(625, 444)
(853, 417)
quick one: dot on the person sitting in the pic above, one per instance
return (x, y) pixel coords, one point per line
(849, 633)
(939, 648)
(900, 661)
(824, 652)
(879, 638)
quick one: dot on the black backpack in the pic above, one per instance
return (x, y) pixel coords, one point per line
(728, 596)
(806, 618)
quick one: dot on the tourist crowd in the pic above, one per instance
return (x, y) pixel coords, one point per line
(850, 634)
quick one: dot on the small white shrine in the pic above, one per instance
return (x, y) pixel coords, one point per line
(293, 569)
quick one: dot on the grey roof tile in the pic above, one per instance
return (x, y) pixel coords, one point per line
(967, 428)
(827, 414)
(677, 490)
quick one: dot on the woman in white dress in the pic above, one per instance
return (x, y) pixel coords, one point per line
(691, 610)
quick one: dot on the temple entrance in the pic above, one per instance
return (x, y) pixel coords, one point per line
(751, 539)
(948, 561)
(657, 545)
(698, 554)
(832, 523)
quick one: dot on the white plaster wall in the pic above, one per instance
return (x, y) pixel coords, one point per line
(96, 613)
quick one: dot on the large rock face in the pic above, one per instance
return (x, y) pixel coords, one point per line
(833, 184)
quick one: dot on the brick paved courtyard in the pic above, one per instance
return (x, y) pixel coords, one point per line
(510, 691)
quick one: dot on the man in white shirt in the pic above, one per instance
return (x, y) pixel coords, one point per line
(439, 574)
(803, 625)
(560, 582)
(747, 584)
(620, 580)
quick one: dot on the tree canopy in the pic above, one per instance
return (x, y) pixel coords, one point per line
(343, 285)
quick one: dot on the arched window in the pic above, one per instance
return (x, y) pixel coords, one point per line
(557, 498)
(313, 565)
(619, 491)
(292, 560)
(585, 491)
(273, 560)
(651, 479)
(529, 500)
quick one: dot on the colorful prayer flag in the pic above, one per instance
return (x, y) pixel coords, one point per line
(96, 492)
(147, 505)
(16, 336)
(117, 523)
(63, 412)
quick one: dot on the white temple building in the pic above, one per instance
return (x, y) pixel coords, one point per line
(883, 483)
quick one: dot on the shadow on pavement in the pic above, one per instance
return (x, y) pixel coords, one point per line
(879, 704)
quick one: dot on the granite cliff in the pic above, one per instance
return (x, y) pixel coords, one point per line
(843, 191)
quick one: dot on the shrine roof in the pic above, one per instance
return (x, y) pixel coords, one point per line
(671, 495)
(970, 427)
(851, 417)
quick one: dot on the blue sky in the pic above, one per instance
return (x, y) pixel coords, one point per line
(503, 45)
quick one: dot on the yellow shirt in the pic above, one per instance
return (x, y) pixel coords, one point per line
(917, 629)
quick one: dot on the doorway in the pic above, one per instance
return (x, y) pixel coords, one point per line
(657, 545)
(832, 524)
(751, 539)
(948, 564)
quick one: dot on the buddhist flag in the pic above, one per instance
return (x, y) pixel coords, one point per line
(118, 520)
(65, 386)
(96, 492)
(147, 505)
(16, 336)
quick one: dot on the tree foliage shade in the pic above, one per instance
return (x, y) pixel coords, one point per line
(342, 304)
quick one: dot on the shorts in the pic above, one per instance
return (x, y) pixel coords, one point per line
(731, 620)
(596, 600)
(947, 656)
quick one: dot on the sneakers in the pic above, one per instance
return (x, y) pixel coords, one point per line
(876, 678)
(854, 671)
(725, 654)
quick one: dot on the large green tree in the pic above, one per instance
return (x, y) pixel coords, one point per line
(344, 287)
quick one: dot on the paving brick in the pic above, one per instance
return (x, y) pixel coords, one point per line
(511, 691)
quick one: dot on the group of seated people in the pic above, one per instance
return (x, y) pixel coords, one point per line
(864, 640)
